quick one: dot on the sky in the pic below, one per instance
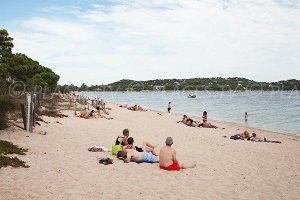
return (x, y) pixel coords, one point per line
(103, 41)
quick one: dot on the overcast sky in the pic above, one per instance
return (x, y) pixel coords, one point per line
(99, 42)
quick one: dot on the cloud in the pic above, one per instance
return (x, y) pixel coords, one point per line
(175, 39)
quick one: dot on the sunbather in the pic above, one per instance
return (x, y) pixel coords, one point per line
(257, 138)
(241, 136)
(145, 147)
(204, 123)
(168, 160)
(133, 155)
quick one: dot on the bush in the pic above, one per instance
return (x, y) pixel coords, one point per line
(6, 104)
(3, 87)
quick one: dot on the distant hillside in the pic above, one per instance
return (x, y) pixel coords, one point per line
(215, 84)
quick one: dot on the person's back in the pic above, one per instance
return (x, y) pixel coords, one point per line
(166, 156)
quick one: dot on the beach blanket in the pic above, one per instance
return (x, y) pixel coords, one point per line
(269, 141)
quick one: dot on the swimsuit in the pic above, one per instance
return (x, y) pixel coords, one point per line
(118, 142)
(173, 167)
(150, 158)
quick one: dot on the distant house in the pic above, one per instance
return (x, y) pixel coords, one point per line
(159, 87)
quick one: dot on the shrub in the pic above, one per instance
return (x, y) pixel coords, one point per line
(6, 104)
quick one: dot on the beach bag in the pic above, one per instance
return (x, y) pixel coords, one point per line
(115, 149)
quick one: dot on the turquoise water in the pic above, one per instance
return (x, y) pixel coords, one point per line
(276, 111)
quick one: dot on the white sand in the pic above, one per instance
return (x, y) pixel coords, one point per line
(62, 168)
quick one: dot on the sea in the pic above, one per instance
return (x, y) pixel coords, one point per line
(268, 110)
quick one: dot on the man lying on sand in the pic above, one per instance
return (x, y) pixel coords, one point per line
(168, 160)
(145, 147)
(188, 121)
(257, 138)
(241, 136)
(133, 155)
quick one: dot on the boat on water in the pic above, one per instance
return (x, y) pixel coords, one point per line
(191, 95)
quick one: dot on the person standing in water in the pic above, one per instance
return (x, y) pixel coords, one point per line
(246, 116)
(169, 108)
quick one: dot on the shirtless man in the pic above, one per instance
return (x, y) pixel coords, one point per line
(145, 147)
(168, 160)
(132, 155)
(257, 138)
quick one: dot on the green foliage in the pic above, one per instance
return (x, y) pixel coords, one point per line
(214, 84)
(9, 148)
(3, 87)
(13, 162)
(6, 44)
(19, 67)
(6, 104)
(83, 87)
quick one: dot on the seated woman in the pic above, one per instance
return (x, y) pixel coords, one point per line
(133, 155)
(122, 139)
(145, 147)
(204, 123)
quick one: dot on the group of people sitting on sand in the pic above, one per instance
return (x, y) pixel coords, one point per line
(89, 114)
(133, 108)
(86, 114)
(166, 157)
(190, 122)
(253, 137)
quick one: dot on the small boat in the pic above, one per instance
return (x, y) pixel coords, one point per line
(191, 96)
(236, 91)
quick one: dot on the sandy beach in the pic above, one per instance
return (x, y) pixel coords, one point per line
(61, 167)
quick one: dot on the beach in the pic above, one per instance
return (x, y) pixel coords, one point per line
(61, 167)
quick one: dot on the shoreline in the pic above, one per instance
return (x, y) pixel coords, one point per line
(222, 122)
(269, 126)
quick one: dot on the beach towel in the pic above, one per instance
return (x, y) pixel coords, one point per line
(235, 137)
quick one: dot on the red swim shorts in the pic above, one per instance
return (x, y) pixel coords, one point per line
(173, 167)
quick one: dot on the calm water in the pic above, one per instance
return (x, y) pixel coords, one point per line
(277, 111)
